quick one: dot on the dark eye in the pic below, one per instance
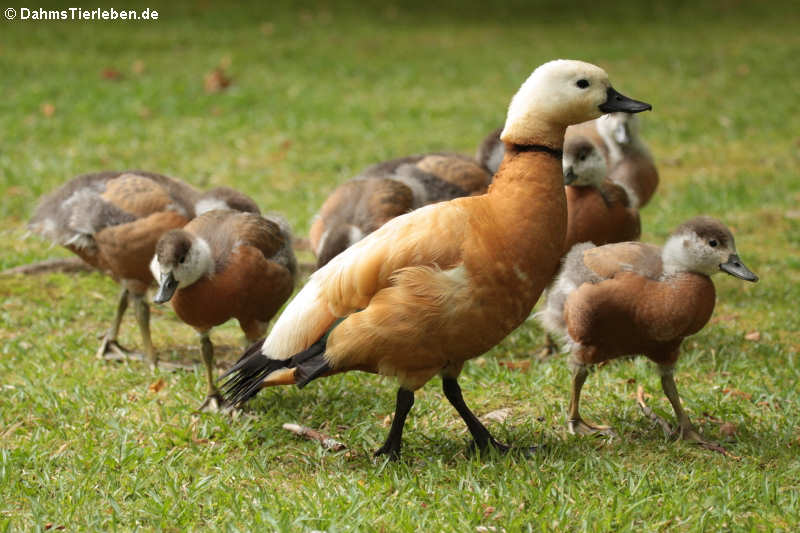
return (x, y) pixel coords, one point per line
(582, 83)
(182, 258)
(582, 157)
(712, 243)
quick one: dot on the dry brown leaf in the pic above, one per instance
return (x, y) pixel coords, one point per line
(521, 366)
(737, 392)
(753, 336)
(498, 415)
(488, 511)
(217, 80)
(267, 28)
(138, 66)
(387, 421)
(47, 109)
(728, 429)
(157, 385)
(111, 74)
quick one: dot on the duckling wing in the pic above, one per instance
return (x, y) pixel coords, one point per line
(606, 261)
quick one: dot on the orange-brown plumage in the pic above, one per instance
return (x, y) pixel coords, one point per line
(442, 284)
(387, 190)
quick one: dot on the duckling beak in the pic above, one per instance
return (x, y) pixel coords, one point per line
(166, 288)
(619, 102)
(735, 267)
(569, 176)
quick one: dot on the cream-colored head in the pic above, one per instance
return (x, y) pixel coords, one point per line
(557, 94)
(706, 246)
(583, 164)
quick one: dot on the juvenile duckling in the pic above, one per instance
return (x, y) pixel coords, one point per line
(598, 210)
(630, 162)
(436, 287)
(389, 189)
(225, 264)
(112, 220)
(633, 298)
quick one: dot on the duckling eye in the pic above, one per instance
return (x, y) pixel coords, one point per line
(713, 243)
(582, 157)
(182, 258)
(582, 83)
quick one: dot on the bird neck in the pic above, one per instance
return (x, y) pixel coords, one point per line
(529, 205)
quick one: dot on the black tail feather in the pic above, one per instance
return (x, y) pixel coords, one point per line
(243, 380)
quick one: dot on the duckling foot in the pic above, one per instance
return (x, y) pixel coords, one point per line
(691, 435)
(579, 427)
(111, 350)
(214, 403)
(548, 350)
(170, 366)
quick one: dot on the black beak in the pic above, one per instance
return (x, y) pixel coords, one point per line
(166, 288)
(569, 175)
(735, 267)
(619, 102)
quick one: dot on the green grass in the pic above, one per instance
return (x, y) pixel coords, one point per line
(319, 93)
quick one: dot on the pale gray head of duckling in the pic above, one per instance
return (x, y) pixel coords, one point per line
(560, 93)
(622, 128)
(706, 246)
(583, 164)
(180, 260)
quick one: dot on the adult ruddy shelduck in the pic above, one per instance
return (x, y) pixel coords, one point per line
(387, 190)
(225, 264)
(634, 298)
(112, 220)
(442, 284)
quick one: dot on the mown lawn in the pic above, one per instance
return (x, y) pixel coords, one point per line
(317, 94)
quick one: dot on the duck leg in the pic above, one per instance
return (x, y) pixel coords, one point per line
(686, 429)
(213, 399)
(109, 347)
(549, 349)
(575, 424)
(405, 399)
(482, 438)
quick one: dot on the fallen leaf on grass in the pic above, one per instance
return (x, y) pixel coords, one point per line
(521, 366)
(731, 317)
(47, 109)
(217, 80)
(728, 429)
(157, 385)
(138, 66)
(111, 74)
(754, 336)
(387, 421)
(327, 442)
(737, 392)
(61, 449)
(498, 416)
(50, 525)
